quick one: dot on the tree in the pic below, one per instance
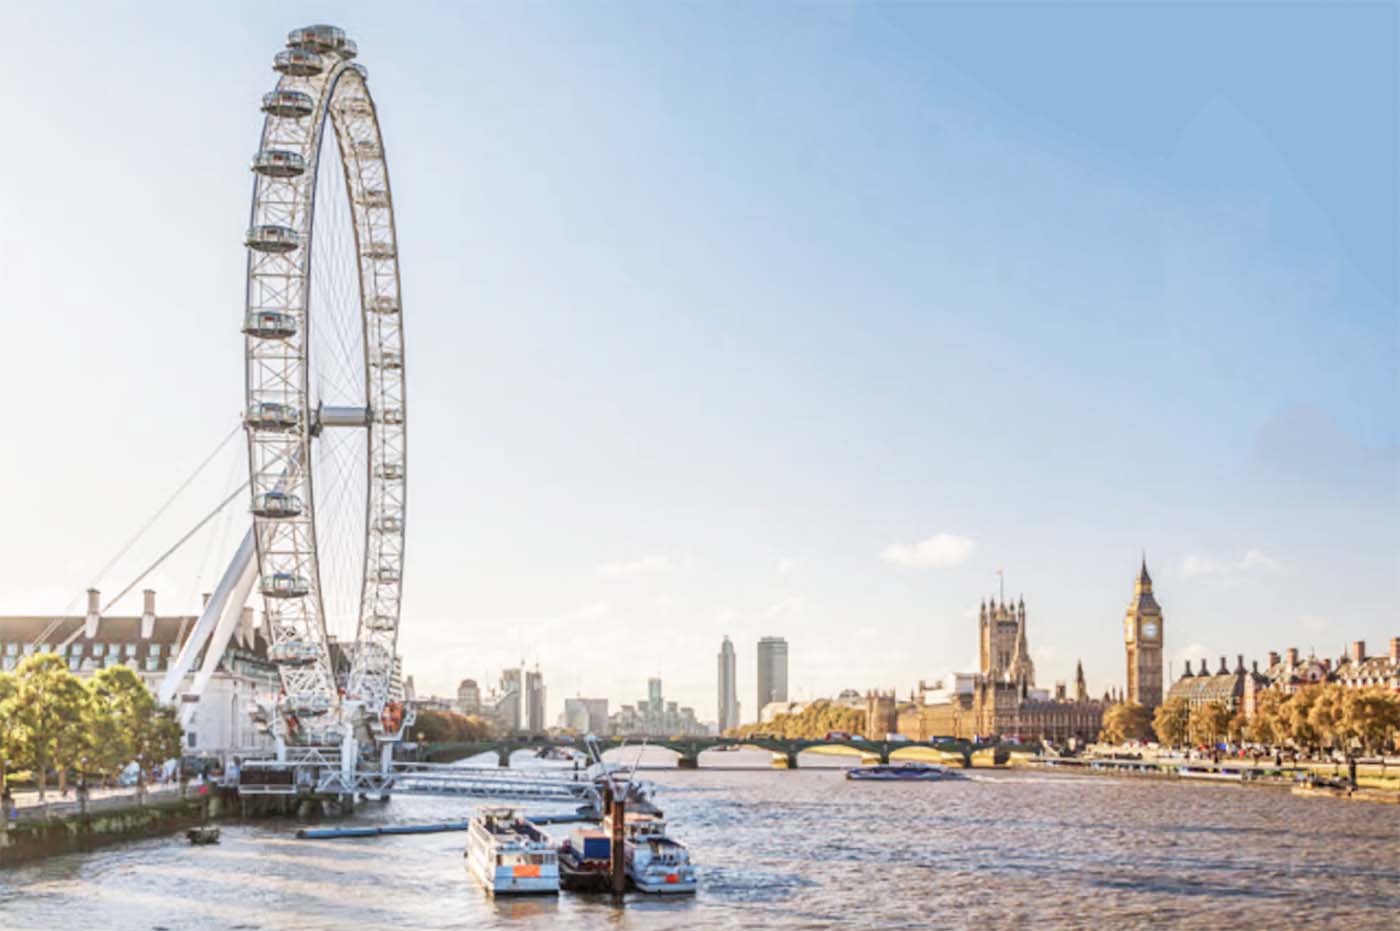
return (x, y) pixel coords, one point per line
(1208, 722)
(1326, 716)
(1237, 727)
(1268, 726)
(121, 716)
(1126, 721)
(814, 722)
(9, 722)
(1371, 716)
(1296, 716)
(451, 727)
(49, 706)
(1171, 720)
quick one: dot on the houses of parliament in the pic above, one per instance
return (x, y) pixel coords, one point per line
(1002, 699)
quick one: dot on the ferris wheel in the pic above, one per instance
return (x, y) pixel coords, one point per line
(325, 406)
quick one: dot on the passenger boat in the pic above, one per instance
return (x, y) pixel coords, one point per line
(509, 855)
(902, 772)
(585, 861)
(204, 834)
(656, 862)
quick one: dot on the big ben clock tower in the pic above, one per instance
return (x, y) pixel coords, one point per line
(1142, 635)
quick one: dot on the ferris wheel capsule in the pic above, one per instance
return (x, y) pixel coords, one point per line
(279, 163)
(270, 324)
(272, 238)
(298, 63)
(285, 585)
(388, 359)
(293, 653)
(292, 105)
(318, 38)
(389, 523)
(379, 251)
(384, 305)
(389, 471)
(277, 504)
(272, 415)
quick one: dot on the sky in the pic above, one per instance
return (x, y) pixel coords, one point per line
(799, 319)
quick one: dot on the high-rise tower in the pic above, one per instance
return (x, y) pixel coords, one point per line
(1142, 635)
(728, 688)
(772, 672)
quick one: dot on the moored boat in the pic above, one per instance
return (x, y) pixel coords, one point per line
(902, 772)
(656, 862)
(585, 861)
(509, 855)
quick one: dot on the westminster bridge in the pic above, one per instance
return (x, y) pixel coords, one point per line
(688, 749)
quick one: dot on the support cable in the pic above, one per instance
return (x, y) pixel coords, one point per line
(178, 543)
(126, 548)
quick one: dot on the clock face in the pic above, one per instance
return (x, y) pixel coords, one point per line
(1149, 630)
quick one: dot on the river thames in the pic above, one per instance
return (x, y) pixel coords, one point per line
(803, 849)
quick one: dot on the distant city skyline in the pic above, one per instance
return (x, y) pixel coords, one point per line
(947, 298)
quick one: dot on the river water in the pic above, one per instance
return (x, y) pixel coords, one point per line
(799, 849)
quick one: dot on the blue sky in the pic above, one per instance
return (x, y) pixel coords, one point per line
(709, 306)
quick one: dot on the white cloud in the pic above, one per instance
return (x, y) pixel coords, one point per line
(939, 550)
(644, 566)
(1201, 566)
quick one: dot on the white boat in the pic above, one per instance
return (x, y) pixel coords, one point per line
(509, 855)
(656, 862)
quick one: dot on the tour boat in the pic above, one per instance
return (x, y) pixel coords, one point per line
(902, 772)
(585, 861)
(656, 862)
(509, 855)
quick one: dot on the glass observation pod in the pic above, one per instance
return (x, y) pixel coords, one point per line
(381, 622)
(307, 703)
(318, 38)
(277, 504)
(374, 197)
(387, 574)
(298, 63)
(270, 324)
(270, 238)
(291, 105)
(388, 524)
(294, 653)
(379, 251)
(285, 585)
(384, 305)
(393, 416)
(279, 163)
(272, 415)
(388, 359)
(390, 471)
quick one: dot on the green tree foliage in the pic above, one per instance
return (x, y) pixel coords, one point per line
(9, 723)
(1208, 723)
(450, 727)
(121, 718)
(1171, 721)
(48, 707)
(1126, 721)
(812, 723)
(1372, 717)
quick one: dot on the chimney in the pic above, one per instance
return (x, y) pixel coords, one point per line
(1239, 664)
(1224, 671)
(1273, 658)
(1256, 667)
(1292, 656)
(94, 613)
(1188, 670)
(1395, 649)
(148, 614)
(1358, 651)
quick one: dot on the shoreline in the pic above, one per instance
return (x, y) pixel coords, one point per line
(1201, 772)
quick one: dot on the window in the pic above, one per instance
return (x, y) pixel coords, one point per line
(152, 663)
(98, 649)
(9, 662)
(190, 735)
(12, 649)
(128, 649)
(74, 662)
(29, 649)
